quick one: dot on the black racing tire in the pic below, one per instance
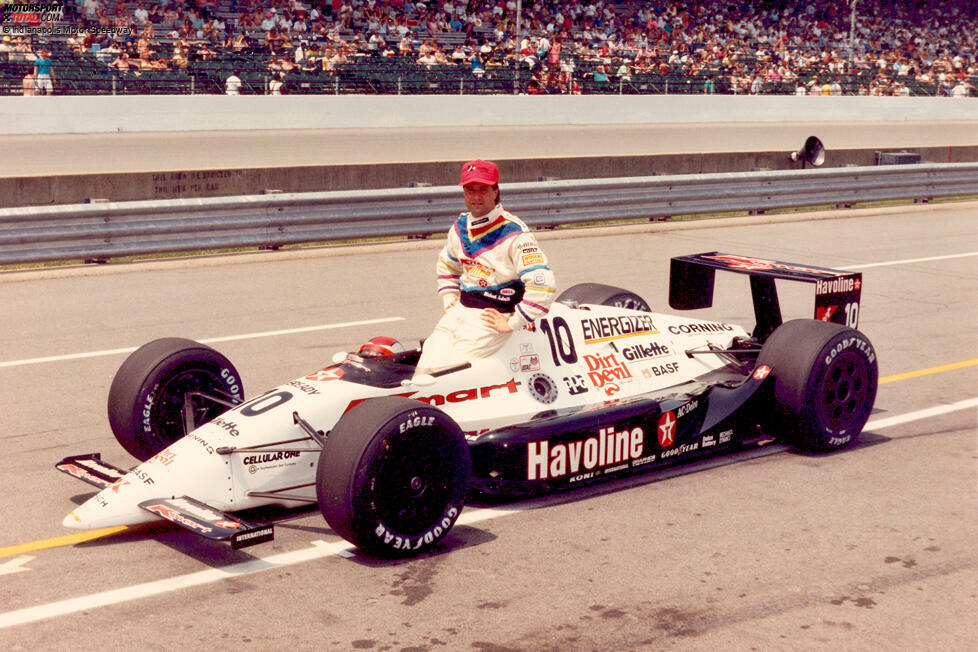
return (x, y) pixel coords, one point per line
(604, 295)
(824, 384)
(393, 476)
(147, 394)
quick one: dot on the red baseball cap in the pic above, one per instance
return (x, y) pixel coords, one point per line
(479, 171)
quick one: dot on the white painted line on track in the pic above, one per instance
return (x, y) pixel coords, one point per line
(211, 340)
(878, 424)
(318, 550)
(907, 261)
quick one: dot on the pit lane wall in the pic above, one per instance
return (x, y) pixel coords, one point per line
(21, 116)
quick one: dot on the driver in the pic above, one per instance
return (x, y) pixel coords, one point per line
(492, 276)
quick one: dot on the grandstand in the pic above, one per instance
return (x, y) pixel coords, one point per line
(900, 47)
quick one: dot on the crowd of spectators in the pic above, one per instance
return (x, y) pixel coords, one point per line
(805, 47)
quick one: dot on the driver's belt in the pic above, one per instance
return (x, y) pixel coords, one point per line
(503, 298)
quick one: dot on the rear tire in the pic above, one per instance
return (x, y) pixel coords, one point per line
(825, 379)
(604, 295)
(393, 476)
(147, 394)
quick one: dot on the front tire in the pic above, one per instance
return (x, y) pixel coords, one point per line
(604, 295)
(393, 476)
(146, 399)
(825, 379)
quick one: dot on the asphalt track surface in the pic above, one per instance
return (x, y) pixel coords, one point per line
(871, 548)
(77, 153)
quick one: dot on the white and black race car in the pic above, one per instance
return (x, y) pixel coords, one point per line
(599, 388)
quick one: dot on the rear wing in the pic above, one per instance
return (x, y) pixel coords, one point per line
(836, 292)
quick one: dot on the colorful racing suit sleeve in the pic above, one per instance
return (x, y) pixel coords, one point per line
(533, 270)
(448, 270)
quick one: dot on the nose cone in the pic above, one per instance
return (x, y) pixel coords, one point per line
(97, 513)
(189, 468)
(72, 521)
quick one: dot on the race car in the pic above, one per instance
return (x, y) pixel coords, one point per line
(599, 388)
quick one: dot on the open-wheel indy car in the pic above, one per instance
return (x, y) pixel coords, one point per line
(599, 388)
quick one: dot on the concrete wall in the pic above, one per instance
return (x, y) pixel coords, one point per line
(127, 186)
(103, 114)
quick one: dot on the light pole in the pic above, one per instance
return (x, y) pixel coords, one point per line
(516, 73)
(852, 30)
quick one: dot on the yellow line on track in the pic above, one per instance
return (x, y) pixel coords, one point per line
(82, 537)
(57, 542)
(930, 370)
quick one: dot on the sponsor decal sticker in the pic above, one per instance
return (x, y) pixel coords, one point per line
(825, 313)
(608, 448)
(575, 384)
(119, 484)
(645, 351)
(605, 372)
(228, 426)
(473, 394)
(606, 329)
(164, 457)
(760, 264)
(532, 259)
(667, 429)
(329, 373)
(173, 515)
(660, 370)
(83, 474)
(475, 269)
(530, 363)
(305, 387)
(94, 465)
(762, 372)
(837, 285)
(694, 329)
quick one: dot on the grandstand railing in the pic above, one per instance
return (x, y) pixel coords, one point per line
(99, 231)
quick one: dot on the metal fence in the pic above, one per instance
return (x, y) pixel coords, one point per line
(97, 232)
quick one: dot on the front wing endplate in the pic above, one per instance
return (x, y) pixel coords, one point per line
(208, 522)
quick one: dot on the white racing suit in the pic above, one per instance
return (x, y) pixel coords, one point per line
(488, 262)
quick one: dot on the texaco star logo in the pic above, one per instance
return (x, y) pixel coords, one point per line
(667, 429)
(333, 373)
(762, 372)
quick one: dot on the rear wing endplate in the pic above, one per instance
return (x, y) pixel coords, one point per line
(836, 292)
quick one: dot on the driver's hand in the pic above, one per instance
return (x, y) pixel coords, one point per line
(496, 320)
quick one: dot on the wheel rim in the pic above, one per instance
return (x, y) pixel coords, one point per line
(414, 480)
(844, 392)
(167, 417)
